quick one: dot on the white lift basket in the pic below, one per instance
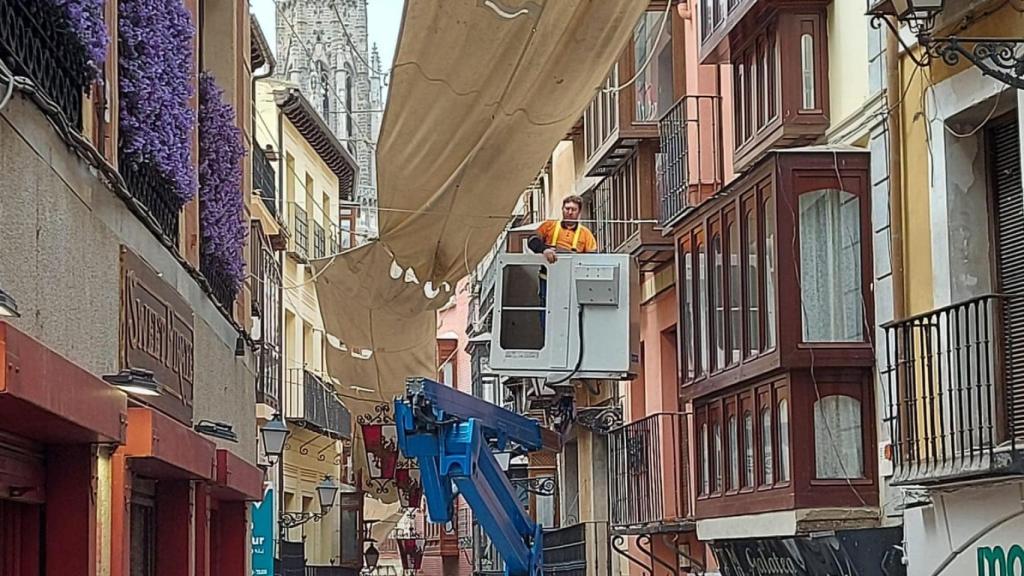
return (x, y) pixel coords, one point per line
(589, 301)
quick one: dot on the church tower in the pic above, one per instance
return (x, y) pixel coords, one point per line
(323, 48)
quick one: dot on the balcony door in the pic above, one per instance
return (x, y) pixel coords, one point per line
(1004, 172)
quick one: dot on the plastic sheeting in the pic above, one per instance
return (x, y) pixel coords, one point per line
(481, 93)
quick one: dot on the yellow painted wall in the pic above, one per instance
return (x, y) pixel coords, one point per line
(308, 182)
(302, 473)
(916, 192)
(847, 59)
(1005, 22)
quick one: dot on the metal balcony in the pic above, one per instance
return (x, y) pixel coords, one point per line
(954, 410)
(690, 164)
(36, 43)
(312, 403)
(263, 179)
(578, 550)
(298, 245)
(648, 475)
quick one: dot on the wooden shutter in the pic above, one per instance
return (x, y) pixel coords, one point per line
(1003, 139)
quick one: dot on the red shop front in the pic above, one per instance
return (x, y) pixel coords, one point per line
(54, 417)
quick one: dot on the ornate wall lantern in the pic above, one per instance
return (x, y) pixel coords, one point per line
(410, 489)
(411, 551)
(999, 58)
(380, 440)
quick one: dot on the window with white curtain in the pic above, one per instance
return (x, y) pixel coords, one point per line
(705, 461)
(767, 463)
(838, 438)
(718, 458)
(807, 71)
(783, 424)
(830, 267)
(734, 454)
(748, 450)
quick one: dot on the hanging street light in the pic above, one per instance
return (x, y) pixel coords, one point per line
(274, 433)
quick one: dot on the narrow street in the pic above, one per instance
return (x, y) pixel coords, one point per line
(511, 288)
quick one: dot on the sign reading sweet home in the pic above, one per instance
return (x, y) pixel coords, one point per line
(156, 334)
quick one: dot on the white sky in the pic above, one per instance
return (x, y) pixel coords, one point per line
(385, 18)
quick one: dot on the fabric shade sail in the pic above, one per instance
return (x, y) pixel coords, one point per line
(481, 93)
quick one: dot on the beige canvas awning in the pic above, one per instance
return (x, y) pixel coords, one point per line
(481, 93)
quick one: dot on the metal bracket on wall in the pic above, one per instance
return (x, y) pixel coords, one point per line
(599, 419)
(538, 485)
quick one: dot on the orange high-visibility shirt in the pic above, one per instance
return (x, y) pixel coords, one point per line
(580, 239)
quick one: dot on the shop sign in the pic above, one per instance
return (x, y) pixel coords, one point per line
(846, 553)
(156, 334)
(999, 561)
(262, 514)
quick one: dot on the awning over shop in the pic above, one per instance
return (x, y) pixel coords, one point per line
(161, 447)
(50, 399)
(481, 93)
(237, 479)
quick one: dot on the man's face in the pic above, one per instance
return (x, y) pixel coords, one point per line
(570, 212)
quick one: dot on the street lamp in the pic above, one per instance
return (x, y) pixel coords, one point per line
(326, 492)
(371, 556)
(8, 307)
(134, 381)
(274, 434)
(999, 58)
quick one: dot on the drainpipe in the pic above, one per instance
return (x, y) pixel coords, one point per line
(892, 102)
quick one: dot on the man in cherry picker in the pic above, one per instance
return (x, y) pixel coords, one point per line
(565, 235)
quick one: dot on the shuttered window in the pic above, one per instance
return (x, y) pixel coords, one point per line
(1003, 139)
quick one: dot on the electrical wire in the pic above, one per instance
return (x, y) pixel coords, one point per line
(650, 57)
(355, 50)
(309, 54)
(579, 357)
(5, 73)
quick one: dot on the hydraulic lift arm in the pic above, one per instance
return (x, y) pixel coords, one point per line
(450, 433)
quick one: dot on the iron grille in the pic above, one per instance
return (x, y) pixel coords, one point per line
(37, 45)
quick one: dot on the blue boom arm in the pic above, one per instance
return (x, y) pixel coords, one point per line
(448, 433)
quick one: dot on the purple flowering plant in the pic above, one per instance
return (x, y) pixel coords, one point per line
(85, 20)
(221, 152)
(155, 67)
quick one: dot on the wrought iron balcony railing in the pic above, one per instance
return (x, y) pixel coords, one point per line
(330, 571)
(220, 285)
(34, 44)
(319, 241)
(263, 179)
(268, 380)
(151, 189)
(313, 403)
(578, 550)
(299, 222)
(955, 398)
(648, 473)
(266, 302)
(690, 164)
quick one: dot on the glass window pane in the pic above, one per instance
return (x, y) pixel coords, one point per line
(838, 438)
(652, 46)
(753, 297)
(769, 274)
(735, 293)
(734, 454)
(830, 267)
(688, 330)
(701, 304)
(807, 70)
(523, 301)
(748, 449)
(766, 447)
(716, 302)
(718, 458)
(705, 459)
(783, 440)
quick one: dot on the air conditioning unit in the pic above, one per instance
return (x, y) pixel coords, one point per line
(575, 319)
